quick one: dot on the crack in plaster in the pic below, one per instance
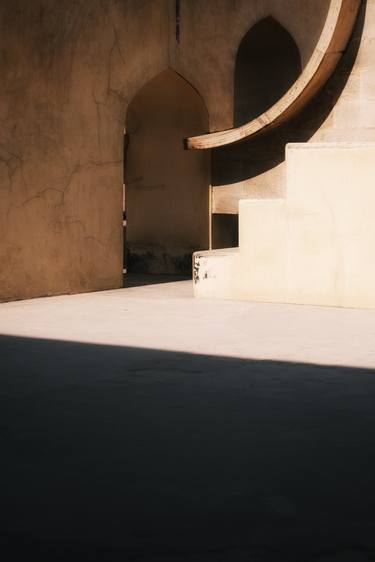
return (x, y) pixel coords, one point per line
(62, 190)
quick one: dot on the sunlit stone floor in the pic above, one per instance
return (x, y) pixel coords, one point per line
(142, 424)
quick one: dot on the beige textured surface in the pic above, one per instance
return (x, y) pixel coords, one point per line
(69, 70)
(165, 316)
(213, 273)
(317, 246)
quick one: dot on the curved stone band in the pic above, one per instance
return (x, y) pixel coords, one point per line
(336, 32)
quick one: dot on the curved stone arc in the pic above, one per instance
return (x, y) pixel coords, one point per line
(336, 32)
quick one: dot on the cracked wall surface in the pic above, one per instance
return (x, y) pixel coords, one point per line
(69, 70)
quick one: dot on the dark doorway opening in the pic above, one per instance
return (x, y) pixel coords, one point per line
(268, 62)
(224, 230)
(166, 197)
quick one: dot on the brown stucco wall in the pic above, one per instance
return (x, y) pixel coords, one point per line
(69, 70)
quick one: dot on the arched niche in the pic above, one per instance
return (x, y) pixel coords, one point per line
(166, 187)
(268, 62)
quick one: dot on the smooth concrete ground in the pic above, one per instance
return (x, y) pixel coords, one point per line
(142, 424)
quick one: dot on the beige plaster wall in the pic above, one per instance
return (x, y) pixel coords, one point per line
(69, 70)
(319, 244)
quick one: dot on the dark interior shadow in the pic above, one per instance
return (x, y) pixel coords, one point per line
(164, 225)
(144, 279)
(116, 453)
(250, 158)
(268, 63)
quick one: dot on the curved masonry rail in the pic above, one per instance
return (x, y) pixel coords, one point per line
(337, 29)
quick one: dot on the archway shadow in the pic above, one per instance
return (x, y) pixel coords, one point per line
(250, 158)
(166, 187)
(145, 279)
(120, 453)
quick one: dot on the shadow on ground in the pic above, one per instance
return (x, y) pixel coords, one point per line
(144, 279)
(114, 453)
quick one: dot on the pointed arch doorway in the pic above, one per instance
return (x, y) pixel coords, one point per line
(166, 186)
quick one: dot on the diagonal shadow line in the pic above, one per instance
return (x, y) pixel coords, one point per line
(123, 453)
